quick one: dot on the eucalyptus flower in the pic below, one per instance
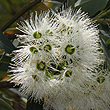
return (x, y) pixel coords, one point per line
(57, 60)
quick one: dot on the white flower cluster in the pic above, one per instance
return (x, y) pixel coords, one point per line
(58, 61)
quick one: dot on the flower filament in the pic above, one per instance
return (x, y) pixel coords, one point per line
(68, 73)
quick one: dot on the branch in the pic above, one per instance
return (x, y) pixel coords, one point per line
(7, 84)
(103, 14)
(103, 21)
(19, 14)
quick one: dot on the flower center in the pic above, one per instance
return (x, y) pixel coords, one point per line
(33, 50)
(100, 79)
(37, 34)
(41, 66)
(70, 49)
(47, 48)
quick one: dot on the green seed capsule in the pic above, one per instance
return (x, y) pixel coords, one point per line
(33, 50)
(68, 73)
(100, 79)
(37, 34)
(47, 48)
(41, 66)
(70, 49)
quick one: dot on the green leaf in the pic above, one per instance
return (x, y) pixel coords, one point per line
(71, 2)
(91, 6)
(5, 43)
(44, 6)
(2, 73)
(4, 66)
(39, 7)
(5, 59)
(5, 104)
(105, 50)
(108, 41)
(104, 33)
(18, 106)
(108, 4)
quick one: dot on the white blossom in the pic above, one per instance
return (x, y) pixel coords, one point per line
(58, 61)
